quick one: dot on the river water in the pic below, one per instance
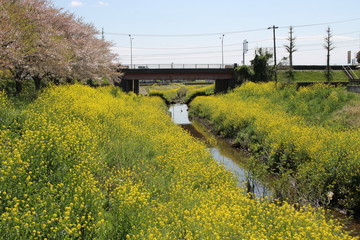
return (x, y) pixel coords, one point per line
(234, 160)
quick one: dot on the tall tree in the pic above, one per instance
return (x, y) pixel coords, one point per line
(358, 57)
(18, 39)
(329, 46)
(40, 42)
(260, 64)
(291, 47)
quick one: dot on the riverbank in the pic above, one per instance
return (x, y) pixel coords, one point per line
(349, 224)
(296, 136)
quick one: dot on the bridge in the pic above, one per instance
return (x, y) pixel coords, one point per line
(223, 76)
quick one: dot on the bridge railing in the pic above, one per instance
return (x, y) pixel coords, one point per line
(177, 66)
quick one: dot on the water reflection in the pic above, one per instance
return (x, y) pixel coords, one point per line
(243, 176)
(232, 159)
(179, 113)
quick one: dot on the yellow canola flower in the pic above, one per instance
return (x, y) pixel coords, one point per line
(106, 165)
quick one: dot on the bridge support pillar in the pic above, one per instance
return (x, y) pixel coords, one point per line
(130, 86)
(136, 86)
(223, 85)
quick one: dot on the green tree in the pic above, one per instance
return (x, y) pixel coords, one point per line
(263, 72)
(243, 73)
(358, 57)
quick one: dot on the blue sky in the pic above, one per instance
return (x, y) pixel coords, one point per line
(190, 31)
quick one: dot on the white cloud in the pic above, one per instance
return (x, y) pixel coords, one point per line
(101, 3)
(76, 3)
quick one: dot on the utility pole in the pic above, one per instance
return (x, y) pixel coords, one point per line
(273, 28)
(245, 49)
(222, 50)
(131, 57)
(102, 34)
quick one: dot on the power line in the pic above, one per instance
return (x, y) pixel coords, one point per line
(200, 47)
(217, 56)
(348, 33)
(228, 33)
(187, 35)
(186, 53)
(231, 53)
(181, 48)
(236, 44)
(214, 54)
(325, 23)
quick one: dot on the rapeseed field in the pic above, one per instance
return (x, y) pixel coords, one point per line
(84, 163)
(313, 157)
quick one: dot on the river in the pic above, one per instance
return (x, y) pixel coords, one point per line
(234, 160)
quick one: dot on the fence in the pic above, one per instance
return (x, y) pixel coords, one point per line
(177, 66)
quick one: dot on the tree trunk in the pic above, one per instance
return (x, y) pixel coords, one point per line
(69, 80)
(328, 67)
(18, 86)
(18, 78)
(55, 80)
(37, 81)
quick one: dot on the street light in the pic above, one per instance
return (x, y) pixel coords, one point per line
(131, 65)
(245, 49)
(222, 50)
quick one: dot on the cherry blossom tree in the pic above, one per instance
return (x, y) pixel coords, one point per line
(18, 39)
(43, 43)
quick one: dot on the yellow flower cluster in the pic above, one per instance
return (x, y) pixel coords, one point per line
(3, 99)
(99, 164)
(319, 159)
(199, 90)
(5, 74)
(169, 94)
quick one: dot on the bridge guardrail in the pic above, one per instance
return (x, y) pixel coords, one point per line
(177, 66)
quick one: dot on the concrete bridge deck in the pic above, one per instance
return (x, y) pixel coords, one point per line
(178, 74)
(224, 77)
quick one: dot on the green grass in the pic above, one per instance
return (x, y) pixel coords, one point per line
(316, 106)
(314, 76)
